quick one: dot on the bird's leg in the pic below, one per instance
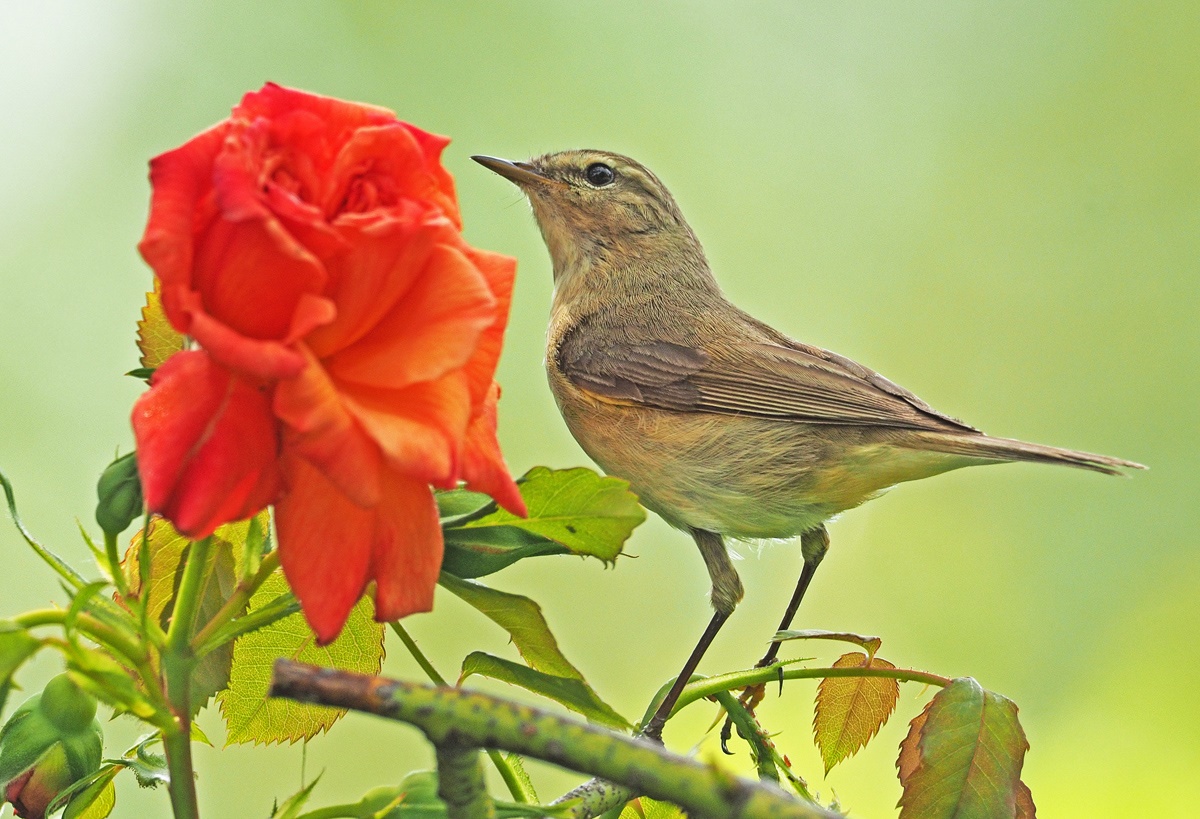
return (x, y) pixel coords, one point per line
(813, 545)
(726, 592)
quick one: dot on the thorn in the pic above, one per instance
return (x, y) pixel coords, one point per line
(779, 671)
(726, 735)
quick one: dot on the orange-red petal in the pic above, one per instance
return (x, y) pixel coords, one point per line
(325, 432)
(407, 553)
(325, 542)
(499, 271)
(330, 547)
(207, 443)
(483, 466)
(181, 180)
(433, 329)
(373, 271)
(420, 428)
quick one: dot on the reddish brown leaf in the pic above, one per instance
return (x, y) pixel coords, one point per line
(910, 746)
(1025, 808)
(970, 748)
(851, 710)
(156, 338)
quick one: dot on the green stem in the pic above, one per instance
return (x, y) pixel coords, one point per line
(710, 686)
(178, 660)
(114, 565)
(235, 606)
(282, 606)
(90, 627)
(178, 742)
(472, 719)
(515, 785)
(417, 654)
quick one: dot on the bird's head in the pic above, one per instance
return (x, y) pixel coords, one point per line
(595, 205)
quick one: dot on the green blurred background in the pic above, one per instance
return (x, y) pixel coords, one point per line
(997, 206)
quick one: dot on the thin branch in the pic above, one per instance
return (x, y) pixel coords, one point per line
(468, 718)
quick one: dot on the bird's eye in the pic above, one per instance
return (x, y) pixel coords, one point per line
(600, 174)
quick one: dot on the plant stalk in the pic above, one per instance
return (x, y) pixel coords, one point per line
(178, 661)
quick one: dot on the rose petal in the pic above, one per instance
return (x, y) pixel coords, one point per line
(499, 271)
(407, 553)
(432, 330)
(483, 466)
(372, 272)
(266, 360)
(330, 548)
(325, 544)
(207, 445)
(394, 165)
(433, 145)
(181, 179)
(274, 100)
(327, 434)
(251, 274)
(420, 428)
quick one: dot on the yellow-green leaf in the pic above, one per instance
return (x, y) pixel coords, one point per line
(249, 715)
(522, 619)
(646, 808)
(851, 710)
(156, 338)
(963, 761)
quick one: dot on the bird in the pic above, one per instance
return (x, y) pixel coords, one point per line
(723, 426)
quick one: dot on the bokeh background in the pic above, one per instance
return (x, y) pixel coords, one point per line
(997, 206)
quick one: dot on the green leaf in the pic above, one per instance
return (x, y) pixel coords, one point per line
(157, 340)
(455, 505)
(97, 800)
(962, 757)
(249, 715)
(851, 710)
(570, 511)
(572, 692)
(522, 619)
(473, 553)
(871, 644)
(528, 793)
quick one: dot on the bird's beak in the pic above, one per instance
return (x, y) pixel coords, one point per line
(520, 173)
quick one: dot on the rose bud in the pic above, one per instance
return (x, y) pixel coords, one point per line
(120, 495)
(50, 742)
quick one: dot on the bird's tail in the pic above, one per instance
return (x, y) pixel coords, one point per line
(987, 448)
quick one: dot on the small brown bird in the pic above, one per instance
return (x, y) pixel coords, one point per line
(722, 425)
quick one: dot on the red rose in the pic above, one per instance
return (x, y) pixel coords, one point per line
(348, 339)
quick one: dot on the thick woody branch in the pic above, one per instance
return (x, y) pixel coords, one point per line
(451, 716)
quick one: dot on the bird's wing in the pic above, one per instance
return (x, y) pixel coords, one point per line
(795, 382)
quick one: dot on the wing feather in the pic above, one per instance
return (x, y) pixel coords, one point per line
(795, 382)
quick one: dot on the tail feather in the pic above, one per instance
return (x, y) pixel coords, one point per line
(988, 448)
